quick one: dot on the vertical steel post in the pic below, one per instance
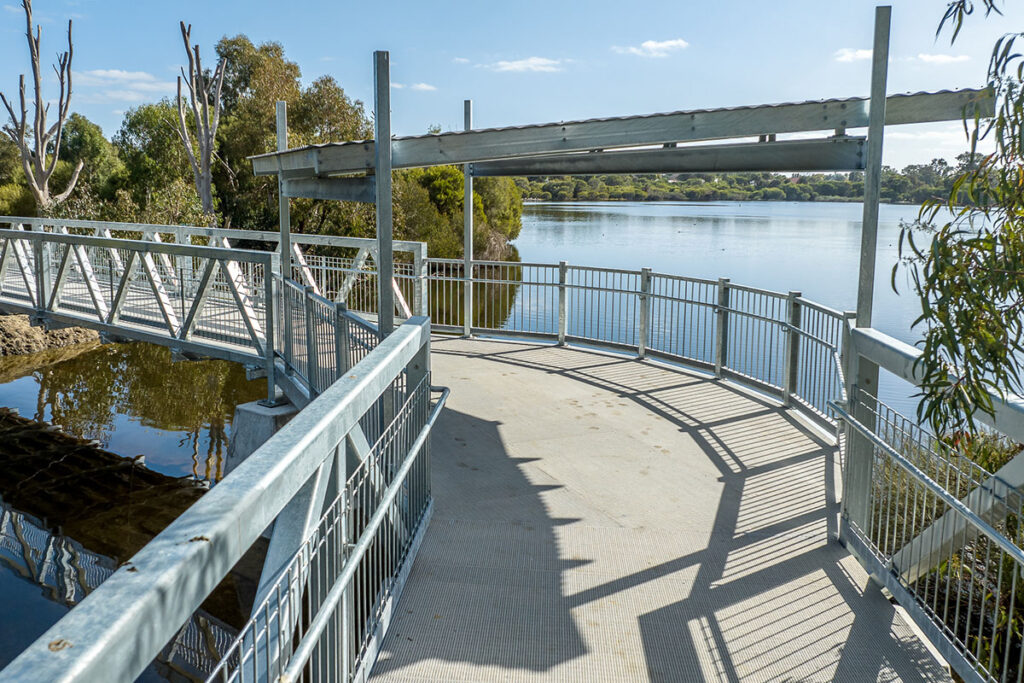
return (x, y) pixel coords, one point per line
(467, 232)
(645, 312)
(285, 242)
(420, 295)
(722, 326)
(382, 169)
(312, 354)
(792, 359)
(268, 344)
(860, 457)
(40, 252)
(563, 269)
(342, 349)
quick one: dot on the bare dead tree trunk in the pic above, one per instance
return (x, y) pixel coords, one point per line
(205, 111)
(33, 142)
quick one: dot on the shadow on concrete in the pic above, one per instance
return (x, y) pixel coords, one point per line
(491, 548)
(770, 596)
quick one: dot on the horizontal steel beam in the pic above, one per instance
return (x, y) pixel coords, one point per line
(475, 146)
(900, 359)
(832, 154)
(360, 189)
(114, 632)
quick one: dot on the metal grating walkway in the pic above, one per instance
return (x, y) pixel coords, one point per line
(603, 519)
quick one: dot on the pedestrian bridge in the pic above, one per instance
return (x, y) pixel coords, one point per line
(637, 475)
(600, 518)
(706, 505)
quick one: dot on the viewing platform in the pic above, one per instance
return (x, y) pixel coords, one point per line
(599, 518)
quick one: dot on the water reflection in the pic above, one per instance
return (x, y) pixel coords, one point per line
(135, 401)
(69, 513)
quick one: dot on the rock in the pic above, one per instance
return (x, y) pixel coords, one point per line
(17, 336)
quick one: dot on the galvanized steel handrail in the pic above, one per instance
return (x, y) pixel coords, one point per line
(115, 632)
(324, 614)
(937, 489)
(668, 316)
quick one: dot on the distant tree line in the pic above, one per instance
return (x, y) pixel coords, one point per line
(913, 185)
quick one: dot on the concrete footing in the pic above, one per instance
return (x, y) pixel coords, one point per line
(252, 425)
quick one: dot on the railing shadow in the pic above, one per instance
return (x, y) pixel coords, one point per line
(747, 584)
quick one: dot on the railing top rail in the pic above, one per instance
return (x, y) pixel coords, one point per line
(113, 633)
(229, 233)
(757, 290)
(901, 359)
(243, 255)
(821, 308)
(685, 278)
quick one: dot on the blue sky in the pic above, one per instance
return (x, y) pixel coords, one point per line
(528, 62)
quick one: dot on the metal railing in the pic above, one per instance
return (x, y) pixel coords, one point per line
(206, 300)
(777, 342)
(960, 574)
(344, 259)
(943, 534)
(365, 436)
(321, 340)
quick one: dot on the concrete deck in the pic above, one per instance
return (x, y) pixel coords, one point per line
(603, 519)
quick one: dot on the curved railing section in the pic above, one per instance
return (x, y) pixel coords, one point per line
(780, 343)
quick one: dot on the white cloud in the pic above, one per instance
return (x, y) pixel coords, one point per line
(397, 86)
(119, 85)
(424, 87)
(653, 48)
(12, 9)
(133, 80)
(942, 59)
(849, 54)
(528, 64)
(460, 60)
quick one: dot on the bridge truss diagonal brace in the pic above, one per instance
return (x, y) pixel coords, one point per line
(350, 278)
(21, 257)
(5, 254)
(58, 283)
(123, 284)
(92, 284)
(296, 523)
(163, 299)
(239, 287)
(305, 270)
(362, 452)
(243, 299)
(199, 302)
(164, 260)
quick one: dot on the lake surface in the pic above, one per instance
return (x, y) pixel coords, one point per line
(70, 508)
(810, 247)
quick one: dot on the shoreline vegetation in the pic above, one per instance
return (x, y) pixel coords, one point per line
(914, 185)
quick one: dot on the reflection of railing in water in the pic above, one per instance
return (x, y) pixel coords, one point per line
(67, 572)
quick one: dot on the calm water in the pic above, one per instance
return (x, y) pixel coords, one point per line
(810, 247)
(134, 401)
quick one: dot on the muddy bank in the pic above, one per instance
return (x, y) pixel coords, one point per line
(17, 336)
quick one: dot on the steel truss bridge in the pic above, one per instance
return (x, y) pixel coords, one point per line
(347, 483)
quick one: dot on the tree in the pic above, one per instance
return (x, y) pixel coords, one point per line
(84, 143)
(204, 106)
(966, 260)
(40, 145)
(151, 149)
